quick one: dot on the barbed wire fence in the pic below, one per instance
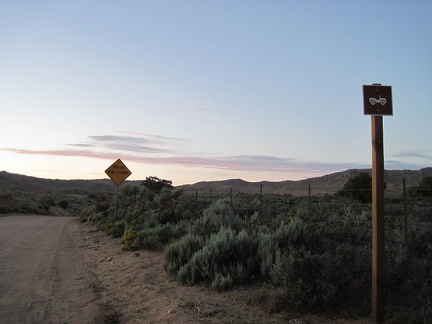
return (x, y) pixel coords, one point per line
(407, 210)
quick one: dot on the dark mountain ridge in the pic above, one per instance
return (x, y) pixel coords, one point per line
(13, 182)
(327, 184)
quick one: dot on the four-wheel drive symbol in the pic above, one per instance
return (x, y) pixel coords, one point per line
(382, 101)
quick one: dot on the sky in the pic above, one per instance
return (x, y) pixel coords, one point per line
(195, 90)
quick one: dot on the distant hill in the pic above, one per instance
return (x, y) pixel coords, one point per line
(327, 184)
(13, 182)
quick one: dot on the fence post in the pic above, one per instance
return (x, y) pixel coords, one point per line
(405, 211)
(261, 199)
(231, 195)
(309, 201)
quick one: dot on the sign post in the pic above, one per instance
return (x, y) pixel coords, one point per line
(118, 172)
(377, 101)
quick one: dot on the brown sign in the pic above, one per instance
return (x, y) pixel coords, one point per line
(118, 172)
(377, 100)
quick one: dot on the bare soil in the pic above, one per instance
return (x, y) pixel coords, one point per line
(135, 288)
(57, 270)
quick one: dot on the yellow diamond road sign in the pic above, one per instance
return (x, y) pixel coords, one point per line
(118, 172)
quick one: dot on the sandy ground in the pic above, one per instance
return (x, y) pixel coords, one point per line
(43, 275)
(57, 270)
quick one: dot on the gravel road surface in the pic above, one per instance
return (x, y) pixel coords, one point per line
(43, 277)
(57, 270)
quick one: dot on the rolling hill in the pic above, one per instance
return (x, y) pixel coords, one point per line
(327, 184)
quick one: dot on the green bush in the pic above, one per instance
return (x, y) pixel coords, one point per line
(358, 188)
(296, 234)
(424, 188)
(222, 283)
(131, 240)
(348, 269)
(217, 215)
(180, 252)
(167, 201)
(301, 274)
(156, 185)
(170, 232)
(321, 258)
(224, 253)
(148, 240)
(397, 258)
(266, 252)
(144, 239)
(114, 229)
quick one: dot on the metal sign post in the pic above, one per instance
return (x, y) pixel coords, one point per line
(116, 203)
(118, 172)
(377, 101)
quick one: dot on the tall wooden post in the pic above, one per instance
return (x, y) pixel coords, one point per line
(378, 226)
(378, 102)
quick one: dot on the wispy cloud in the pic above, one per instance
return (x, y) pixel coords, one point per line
(189, 110)
(414, 154)
(209, 110)
(400, 165)
(250, 163)
(140, 143)
(151, 149)
(414, 159)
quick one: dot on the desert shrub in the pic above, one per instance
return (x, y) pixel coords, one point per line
(85, 213)
(224, 253)
(143, 239)
(347, 268)
(217, 215)
(301, 274)
(296, 234)
(133, 200)
(180, 252)
(155, 184)
(131, 240)
(313, 280)
(350, 226)
(92, 215)
(168, 232)
(63, 204)
(167, 200)
(292, 233)
(358, 188)
(424, 188)
(420, 233)
(222, 283)
(266, 252)
(397, 258)
(148, 240)
(113, 229)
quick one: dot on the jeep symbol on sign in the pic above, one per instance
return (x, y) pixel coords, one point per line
(382, 101)
(377, 100)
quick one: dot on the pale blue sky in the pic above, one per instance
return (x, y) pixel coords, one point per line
(211, 90)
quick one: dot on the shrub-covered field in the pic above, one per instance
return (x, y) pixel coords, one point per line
(318, 257)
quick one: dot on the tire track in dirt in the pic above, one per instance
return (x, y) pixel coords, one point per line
(57, 270)
(43, 275)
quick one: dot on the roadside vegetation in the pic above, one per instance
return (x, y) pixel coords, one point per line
(316, 255)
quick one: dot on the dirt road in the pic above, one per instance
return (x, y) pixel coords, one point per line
(57, 270)
(43, 276)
